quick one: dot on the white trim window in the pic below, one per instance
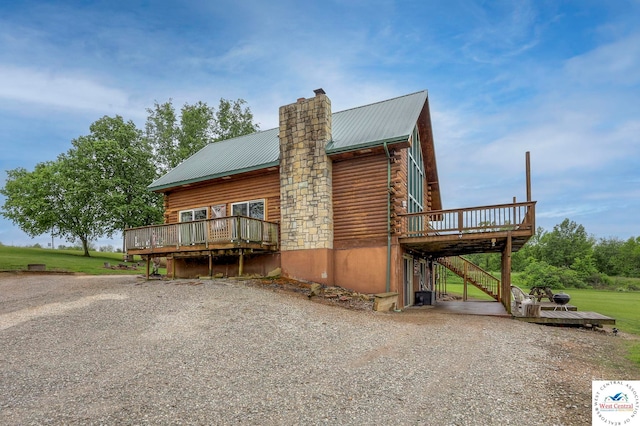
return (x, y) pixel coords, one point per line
(253, 209)
(193, 214)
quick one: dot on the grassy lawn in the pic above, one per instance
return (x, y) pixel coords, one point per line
(455, 286)
(17, 259)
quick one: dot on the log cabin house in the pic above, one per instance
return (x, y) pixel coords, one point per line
(350, 198)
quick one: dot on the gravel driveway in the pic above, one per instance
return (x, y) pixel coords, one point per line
(120, 350)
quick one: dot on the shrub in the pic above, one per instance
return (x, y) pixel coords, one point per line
(541, 274)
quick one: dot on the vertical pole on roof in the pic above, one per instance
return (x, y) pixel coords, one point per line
(388, 277)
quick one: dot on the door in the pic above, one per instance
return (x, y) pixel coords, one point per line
(408, 299)
(190, 232)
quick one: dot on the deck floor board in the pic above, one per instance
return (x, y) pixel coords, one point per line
(569, 318)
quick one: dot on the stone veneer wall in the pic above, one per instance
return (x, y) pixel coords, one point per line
(306, 204)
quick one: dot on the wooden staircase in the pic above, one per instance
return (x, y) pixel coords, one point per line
(472, 274)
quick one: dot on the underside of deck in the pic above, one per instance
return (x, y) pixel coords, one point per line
(466, 243)
(197, 250)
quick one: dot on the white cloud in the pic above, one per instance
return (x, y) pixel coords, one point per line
(614, 64)
(59, 90)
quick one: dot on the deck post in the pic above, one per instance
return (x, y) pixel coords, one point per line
(506, 274)
(210, 265)
(464, 291)
(148, 265)
(241, 264)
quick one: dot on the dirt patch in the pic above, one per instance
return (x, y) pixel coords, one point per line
(329, 295)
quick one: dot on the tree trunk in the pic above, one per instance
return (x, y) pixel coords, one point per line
(85, 247)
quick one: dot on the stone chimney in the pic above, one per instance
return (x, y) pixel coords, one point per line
(306, 205)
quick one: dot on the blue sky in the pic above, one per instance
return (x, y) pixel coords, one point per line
(560, 79)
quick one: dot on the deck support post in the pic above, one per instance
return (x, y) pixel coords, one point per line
(241, 263)
(210, 265)
(464, 291)
(148, 265)
(505, 294)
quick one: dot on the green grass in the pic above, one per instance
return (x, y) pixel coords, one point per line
(17, 259)
(457, 288)
(623, 306)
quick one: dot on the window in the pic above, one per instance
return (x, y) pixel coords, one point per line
(416, 175)
(254, 209)
(195, 214)
(415, 183)
(219, 210)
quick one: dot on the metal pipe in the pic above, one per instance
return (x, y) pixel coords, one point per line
(388, 277)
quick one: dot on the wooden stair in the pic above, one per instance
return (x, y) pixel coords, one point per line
(473, 274)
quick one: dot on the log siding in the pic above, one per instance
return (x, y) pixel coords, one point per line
(360, 198)
(237, 189)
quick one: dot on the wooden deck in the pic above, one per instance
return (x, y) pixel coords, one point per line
(550, 306)
(568, 318)
(475, 307)
(485, 229)
(221, 236)
(547, 314)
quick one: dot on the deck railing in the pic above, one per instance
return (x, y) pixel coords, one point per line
(224, 230)
(502, 217)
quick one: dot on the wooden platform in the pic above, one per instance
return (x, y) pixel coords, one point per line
(550, 306)
(471, 307)
(568, 318)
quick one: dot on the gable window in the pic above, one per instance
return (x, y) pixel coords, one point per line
(416, 176)
(254, 209)
(415, 182)
(194, 214)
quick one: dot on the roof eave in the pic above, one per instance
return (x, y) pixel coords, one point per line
(358, 147)
(163, 188)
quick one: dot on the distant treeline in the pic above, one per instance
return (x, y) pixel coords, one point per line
(568, 257)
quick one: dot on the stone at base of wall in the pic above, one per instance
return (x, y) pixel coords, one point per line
(385, 301)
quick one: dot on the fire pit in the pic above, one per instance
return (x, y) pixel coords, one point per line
(561, 300)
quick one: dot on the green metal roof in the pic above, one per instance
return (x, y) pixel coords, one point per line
(371, 125)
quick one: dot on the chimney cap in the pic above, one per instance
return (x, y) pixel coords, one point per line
(319, 91)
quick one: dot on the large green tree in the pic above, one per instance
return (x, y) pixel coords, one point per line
(567, 242)
(629, 259)
(607, 253)
(174, 138)
(233, 119)
(53, 199)
(118, 160)
(95, 189)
